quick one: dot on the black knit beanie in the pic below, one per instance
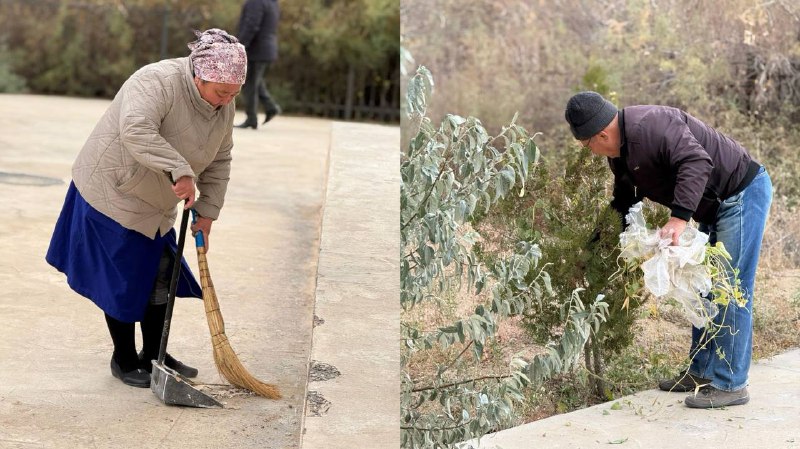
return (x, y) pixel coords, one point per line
(588, 113)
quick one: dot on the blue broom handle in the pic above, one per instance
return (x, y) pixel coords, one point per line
(198, 236)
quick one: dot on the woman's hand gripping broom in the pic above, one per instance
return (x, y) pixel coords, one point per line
(227, 361)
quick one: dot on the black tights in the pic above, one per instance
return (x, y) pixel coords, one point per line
(152, 325)
(122, 334)
(124, 343)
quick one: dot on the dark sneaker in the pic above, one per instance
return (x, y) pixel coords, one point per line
(182, 369)
(683, 383)
(710, 397)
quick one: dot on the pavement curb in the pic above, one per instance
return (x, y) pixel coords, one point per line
(658, 419)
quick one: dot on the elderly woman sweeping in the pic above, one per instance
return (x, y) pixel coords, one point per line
(167, 133)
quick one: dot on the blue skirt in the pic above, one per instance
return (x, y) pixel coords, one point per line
(113, 266)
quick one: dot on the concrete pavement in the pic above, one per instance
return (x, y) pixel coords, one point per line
(308, 227)
(656, 419)
(357, 294)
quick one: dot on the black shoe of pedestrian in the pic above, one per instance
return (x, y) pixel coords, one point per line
(135, 378)
(182, 369)
(272, 114)
(683, 383)
(246, 125)
(710, 397)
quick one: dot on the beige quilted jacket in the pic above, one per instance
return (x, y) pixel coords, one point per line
(157, 123)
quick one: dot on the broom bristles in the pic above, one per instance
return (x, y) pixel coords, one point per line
(225, 357)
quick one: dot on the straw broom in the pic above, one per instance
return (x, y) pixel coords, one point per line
(225, 358)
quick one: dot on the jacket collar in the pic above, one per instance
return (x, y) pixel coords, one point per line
(202, 106)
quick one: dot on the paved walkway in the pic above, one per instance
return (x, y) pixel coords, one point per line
(358, 289)
(304, 232)
(656, 419)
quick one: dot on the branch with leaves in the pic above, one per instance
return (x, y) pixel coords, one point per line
(450, 174)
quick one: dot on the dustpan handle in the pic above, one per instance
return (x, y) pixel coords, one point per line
(173, 287)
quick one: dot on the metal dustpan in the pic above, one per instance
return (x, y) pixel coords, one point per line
(174, 389)
(166, 383)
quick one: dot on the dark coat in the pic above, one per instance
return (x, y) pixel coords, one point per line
(676, 160)
(258, 29)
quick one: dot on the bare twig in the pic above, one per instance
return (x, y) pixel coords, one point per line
(455, 384)
(457, 357)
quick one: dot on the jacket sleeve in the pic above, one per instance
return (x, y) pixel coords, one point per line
(213, 181)
(145, 104)
(691, 167)
(624, 194)
(250, 22)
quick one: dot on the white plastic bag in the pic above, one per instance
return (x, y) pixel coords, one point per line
(671, 271)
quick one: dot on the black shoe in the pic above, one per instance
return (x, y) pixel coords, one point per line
(182, 369)
(683, 383)
(272, 114)
(246, 125)
(135, 378)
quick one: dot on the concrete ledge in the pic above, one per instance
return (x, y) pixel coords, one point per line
(657, 419)
(358, 284)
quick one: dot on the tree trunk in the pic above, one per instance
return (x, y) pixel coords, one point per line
(600, 385)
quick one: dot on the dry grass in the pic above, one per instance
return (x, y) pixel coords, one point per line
(781, 247)
(661, 345)
(776, 325)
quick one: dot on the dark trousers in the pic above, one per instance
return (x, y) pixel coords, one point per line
(255, 90)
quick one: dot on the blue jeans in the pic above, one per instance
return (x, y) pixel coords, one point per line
(724, 358)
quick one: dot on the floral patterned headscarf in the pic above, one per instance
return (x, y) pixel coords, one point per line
(218, 57)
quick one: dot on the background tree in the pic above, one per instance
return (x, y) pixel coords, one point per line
(337, 58)
(735, 66)
(449, 174)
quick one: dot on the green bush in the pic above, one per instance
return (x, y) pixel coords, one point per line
(9, 81)
(327, 50)
(568, 214)
(449, 171)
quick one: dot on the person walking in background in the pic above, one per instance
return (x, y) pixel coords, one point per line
(168, 129)
(666, 155)
(258, 32)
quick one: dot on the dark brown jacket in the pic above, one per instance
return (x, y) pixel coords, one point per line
(676, 160)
